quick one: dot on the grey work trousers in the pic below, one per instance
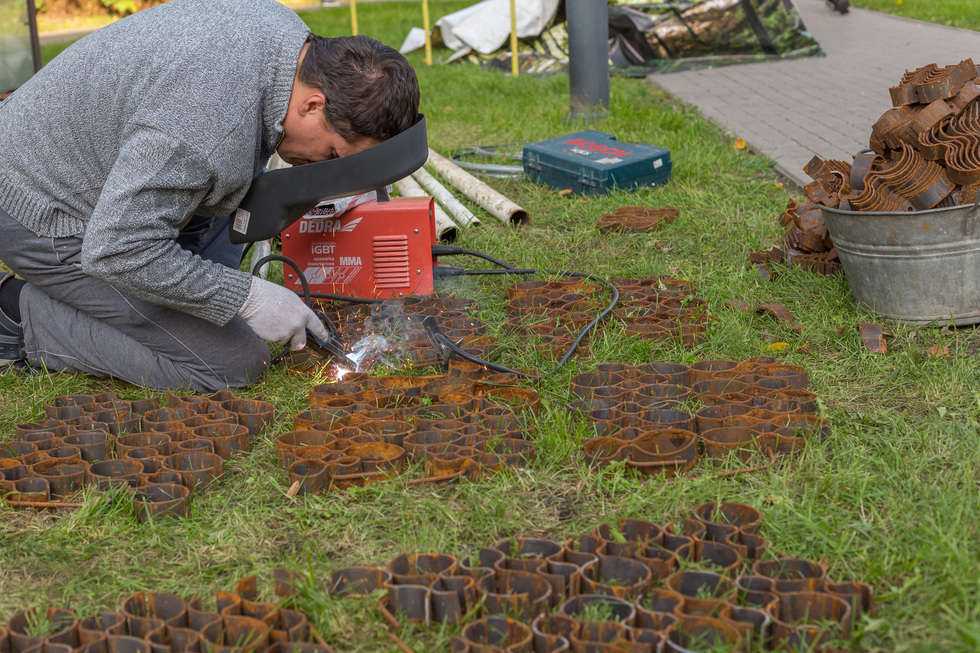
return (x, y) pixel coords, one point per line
(75, 322)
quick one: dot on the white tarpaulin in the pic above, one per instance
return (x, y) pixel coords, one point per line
(485, 26)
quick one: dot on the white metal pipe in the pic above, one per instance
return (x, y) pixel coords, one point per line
(462, 215)
(494, 202)
(446, 229)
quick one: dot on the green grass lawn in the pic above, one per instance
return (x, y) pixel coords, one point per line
(958, 13)
(890, 497)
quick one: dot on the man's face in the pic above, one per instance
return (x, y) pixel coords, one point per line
(307, 136)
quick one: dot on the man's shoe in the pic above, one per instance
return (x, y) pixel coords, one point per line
(11, 335)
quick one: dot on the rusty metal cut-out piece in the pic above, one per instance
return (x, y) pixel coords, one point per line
(873, 337)
(782, 315)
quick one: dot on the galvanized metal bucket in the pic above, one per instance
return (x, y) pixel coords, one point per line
(917, 267)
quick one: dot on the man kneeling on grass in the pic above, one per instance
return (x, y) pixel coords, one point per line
(121, 160)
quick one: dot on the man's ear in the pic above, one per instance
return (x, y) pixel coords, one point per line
(312, 103)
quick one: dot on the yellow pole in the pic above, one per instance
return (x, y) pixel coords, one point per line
(353, 17)
(428, 32)
(513, 39)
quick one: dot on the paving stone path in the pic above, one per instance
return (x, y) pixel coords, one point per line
(791, 110)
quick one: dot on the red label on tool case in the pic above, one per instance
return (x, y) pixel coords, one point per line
(374, 250)
(596, 147)
(590, 162)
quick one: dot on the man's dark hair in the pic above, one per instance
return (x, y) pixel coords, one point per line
(371, 90)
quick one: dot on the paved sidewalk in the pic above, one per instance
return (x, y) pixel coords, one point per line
(791, 110)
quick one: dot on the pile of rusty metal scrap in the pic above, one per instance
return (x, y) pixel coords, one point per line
(161, 453)
(642, 415)
(806, 244)
(151, 622)
(636, 219)
(399, 321)
(925, 154)
(368, 429)
(551, 313)
(631, 586)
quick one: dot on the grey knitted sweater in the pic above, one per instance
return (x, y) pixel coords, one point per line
(163, 115)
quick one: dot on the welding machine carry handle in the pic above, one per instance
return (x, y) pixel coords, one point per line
(279, 198)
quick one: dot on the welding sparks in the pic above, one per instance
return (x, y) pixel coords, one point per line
(388, 341)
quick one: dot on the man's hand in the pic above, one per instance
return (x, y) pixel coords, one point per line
(279, 315)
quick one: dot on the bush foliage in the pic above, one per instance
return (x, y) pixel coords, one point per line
(94, 7)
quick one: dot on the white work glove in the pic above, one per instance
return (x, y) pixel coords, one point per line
(278, 315)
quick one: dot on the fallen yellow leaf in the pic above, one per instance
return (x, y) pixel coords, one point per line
(778, 185)
(939, 352)
(777, 346)
(739, 144)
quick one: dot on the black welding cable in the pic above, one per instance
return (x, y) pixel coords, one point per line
(606, 311)
(441, 340)
(449, 344)
(345, 298)
(442, 250)
(442, 272)
(306, 294)
(447, 250)
(285, 260)
(437, 250)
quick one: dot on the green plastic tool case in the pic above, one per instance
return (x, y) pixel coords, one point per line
(591, 162)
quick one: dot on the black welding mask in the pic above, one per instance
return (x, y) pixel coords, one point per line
(279, 198)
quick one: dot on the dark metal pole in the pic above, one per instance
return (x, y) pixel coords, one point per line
(588, 58)
(35, 40)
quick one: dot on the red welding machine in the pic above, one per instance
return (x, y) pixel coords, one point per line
(376, 250)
